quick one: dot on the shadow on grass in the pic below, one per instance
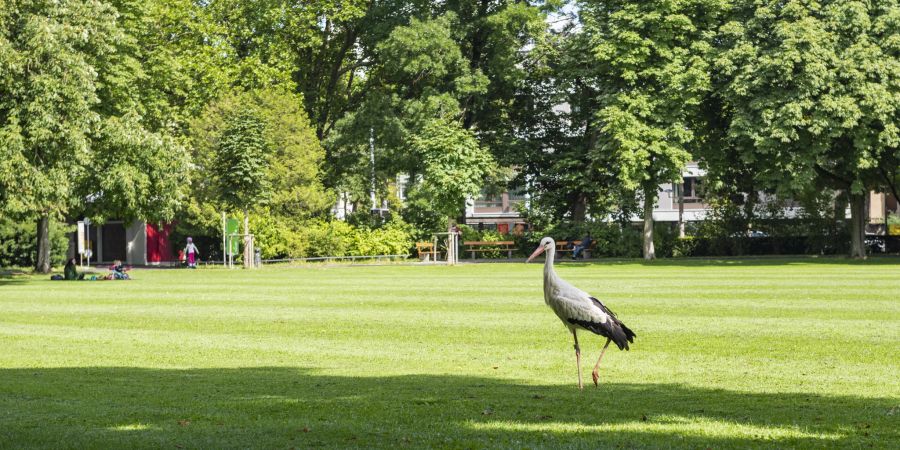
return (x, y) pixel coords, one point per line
(289, 407)
(8, 276)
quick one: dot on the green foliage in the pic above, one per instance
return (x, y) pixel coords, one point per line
(48, 96)
(455, 166)
(685, 246)
(18, 243)
(417, 211)
(240, 162)
(651, 58)
(455, 66)
(613, 239)
(812, 91)
(331, 238)
(893, 219)
(816, 228)
(292, 160)
(471, 234)
(134, 173)
(72, 139)
(278, 237)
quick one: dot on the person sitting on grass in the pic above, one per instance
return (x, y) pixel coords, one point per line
(118, 271)
(71, 271)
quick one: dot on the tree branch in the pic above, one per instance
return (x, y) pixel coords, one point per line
(890, 183)
(845, 182)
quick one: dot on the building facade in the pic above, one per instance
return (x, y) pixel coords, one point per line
(135, 243)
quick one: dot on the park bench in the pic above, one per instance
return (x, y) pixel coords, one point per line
(563, 247)
(475, 247)
(426, 251)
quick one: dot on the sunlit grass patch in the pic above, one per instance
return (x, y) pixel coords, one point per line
(772, 353)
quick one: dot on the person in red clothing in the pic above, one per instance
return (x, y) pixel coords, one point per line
(192, 253)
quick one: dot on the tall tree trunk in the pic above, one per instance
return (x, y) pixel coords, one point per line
(750, 207)
(679, 191)
(579, 209)
(43, 250)
(840, 204)
(857, 225)
(248, 252)
(649, 200)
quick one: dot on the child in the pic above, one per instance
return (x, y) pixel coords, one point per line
(118, 271)
(192, 253)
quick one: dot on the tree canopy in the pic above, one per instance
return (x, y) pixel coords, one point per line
(72, 137)
(813, 95)
(152, 109)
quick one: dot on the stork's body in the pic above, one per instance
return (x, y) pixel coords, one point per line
(579, 311)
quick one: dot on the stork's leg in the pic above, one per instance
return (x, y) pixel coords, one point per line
(596, 373)
(577, 358)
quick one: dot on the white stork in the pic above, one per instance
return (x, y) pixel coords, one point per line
(578, 310)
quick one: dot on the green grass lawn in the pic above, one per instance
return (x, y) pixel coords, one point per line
(736, 353)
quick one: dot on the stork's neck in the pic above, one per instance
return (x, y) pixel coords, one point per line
(548, 262)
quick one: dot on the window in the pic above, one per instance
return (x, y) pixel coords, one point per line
(692, 189)
(488, 200)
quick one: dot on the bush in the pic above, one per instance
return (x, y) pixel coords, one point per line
(685, 246)
(329, 238)
(282, 238)
(18, 242)
(816, 230)
(277, 237)
(613, 239)
(893, 219)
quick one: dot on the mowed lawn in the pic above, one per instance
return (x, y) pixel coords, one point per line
(765, 353)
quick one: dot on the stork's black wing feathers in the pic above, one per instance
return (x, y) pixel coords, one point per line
(613, 329)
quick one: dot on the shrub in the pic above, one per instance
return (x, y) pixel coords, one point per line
(613, 239)
(277, 237)
(893, 219)
(329, 238)
(336, 238)
(684, 246)
(18, 242)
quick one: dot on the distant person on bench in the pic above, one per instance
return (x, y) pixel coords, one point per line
(586, 242)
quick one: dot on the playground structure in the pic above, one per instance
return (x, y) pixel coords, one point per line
(231, 243)
(431, 251)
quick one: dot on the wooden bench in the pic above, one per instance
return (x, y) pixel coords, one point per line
(563, 246)
(426, 250)
(475, 247)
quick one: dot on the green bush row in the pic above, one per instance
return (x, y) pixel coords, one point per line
(18, 243)
(282, 238)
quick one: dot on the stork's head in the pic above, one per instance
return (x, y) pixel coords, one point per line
(546, 244)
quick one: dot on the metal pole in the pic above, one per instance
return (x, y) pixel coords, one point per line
(224, 243)
(372, 164)
(87, 231)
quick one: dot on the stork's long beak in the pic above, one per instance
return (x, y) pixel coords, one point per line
(537, 252)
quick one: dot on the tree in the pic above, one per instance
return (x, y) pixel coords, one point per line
(651, 61)
(293, 159)
(454, 166)
(174, 61)
(240, 166)
(813, 96)
(415, 111)
(60, 115)
(558, 161)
